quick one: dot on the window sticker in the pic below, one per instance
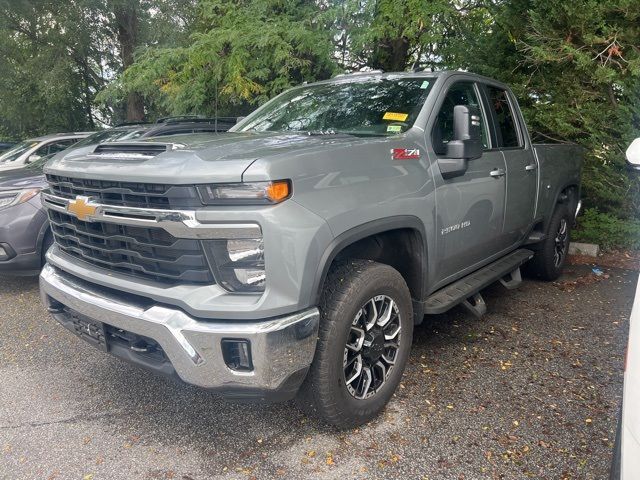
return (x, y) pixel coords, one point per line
(396, 117)
(394, 128)
(425, 84)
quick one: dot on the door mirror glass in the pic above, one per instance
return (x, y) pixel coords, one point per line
(467, 137)
(633, 154)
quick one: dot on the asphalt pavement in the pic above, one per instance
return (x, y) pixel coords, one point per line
(531, 390)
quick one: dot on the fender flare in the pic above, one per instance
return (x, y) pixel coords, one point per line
(556, 201)
(360, 232)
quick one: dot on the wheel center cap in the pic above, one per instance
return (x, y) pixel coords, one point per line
(375, 347)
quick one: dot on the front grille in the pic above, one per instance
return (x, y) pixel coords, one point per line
(126, 194)
(150, 253)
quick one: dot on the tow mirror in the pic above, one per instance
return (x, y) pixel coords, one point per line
(633, 155)
(466, 144)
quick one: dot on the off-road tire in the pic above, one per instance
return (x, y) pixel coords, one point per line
(543, 265)
(349, 285)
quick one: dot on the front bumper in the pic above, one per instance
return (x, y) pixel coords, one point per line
(281, 348)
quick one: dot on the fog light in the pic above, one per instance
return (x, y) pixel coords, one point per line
(238, 264)
(6, 252)
(237, 354)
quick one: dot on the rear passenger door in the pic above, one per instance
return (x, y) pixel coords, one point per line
(470, 207)
(521, 164)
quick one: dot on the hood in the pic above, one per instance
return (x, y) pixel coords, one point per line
(11, 166)
(21, 178)
(188, 159)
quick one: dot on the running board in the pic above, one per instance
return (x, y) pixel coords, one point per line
(465, 290)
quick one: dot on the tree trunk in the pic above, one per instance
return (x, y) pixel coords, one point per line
(391, 55)
(126, 15)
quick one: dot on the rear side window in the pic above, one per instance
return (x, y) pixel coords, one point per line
(505, 121)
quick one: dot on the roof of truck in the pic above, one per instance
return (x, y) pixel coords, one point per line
(371, 74)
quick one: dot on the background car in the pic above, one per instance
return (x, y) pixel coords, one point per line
(31, 150)
(24, 228)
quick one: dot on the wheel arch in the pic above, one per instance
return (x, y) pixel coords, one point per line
(568, 194)
(412, 267)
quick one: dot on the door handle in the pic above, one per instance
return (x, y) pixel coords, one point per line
(530, 168)
(497, 173)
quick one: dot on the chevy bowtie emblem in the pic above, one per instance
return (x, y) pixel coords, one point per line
(81, 208)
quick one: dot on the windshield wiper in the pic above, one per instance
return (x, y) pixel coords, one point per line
(313, 133)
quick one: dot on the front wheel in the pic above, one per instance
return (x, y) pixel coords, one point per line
(366, 329)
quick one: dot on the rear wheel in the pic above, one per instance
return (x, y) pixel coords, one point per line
(551, 256)
(365, 335)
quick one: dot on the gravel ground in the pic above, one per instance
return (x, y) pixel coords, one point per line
(531, 390)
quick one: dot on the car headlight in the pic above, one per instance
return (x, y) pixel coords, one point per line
(238, 264)
(250, 193)
(16, 197)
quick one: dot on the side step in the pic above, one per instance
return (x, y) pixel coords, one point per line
(506, 269)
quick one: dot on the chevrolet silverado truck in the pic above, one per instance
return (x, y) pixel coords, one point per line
(294, 254)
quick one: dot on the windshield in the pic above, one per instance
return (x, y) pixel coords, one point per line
(380, 106)
(17, 151)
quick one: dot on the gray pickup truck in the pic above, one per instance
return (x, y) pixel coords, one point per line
(295, 254)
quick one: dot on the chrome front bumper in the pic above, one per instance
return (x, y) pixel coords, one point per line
(281, 348)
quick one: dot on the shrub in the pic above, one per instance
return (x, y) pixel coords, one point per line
(607, 230)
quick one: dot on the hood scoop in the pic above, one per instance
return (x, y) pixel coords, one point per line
(130, 151)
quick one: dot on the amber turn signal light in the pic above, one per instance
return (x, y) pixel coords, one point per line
(278, 191)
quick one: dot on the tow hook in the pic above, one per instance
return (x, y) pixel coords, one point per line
(141, 346)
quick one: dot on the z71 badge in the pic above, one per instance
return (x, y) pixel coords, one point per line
(405, 154)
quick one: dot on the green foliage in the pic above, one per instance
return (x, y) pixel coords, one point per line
(56, 56)
(574, 66)
(607, 230)
(240, 54)
(48, 63)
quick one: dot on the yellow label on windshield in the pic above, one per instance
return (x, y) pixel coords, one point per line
(397, 117)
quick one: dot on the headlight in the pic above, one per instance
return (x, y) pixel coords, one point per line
(252, 193)
(15, 197)
(238, 264)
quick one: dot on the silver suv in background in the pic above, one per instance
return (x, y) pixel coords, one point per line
(35, 148)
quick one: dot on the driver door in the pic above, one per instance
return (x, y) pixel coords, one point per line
(469, 208)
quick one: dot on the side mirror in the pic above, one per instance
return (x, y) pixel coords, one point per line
(633, 155)
(466, 144)
(33, 158)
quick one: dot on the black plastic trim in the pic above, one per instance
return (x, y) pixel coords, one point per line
(363, 231)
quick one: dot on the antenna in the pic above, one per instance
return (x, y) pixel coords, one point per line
(215, 122)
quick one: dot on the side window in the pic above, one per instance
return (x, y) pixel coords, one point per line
(55, 147)
(462, 93)
(505, 122)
